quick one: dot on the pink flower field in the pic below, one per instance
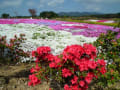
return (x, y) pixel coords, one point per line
(88, 30)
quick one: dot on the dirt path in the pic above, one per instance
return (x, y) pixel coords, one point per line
(16, 78)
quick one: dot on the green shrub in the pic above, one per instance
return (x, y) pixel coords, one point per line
(109, 49)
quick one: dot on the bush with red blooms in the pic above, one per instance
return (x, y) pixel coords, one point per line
(10, 52)
(75, 68)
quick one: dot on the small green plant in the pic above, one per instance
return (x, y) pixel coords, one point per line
(109, 49)
(42, 36)
(38, 35)
(10, 52)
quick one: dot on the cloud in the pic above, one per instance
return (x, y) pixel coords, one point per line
(50, 3)
(55, 2)
(95, 8)
(7, 3)
(97, 1)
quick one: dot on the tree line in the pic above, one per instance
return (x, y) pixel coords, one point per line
(33, 13)
(52, 14)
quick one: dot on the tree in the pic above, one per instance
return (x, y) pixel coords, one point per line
(48, 14)
(5, 15)
(32, 12)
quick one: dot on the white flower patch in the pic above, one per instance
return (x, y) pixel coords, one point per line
(109, 21)
(73, 24)
(43, 36)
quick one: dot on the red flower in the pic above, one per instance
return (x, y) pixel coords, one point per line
(57, 60)
(34, 80)
(52, 65)
(30, 83)
(66, 87)
(74, 80)
(43, 50)
(50, 89)
(37, 68)
(101, 62)
(50, 57)
(73, 51)
(90, 50)
(89, 77)
(33, 53)
(112, 78)
(103, 70)
(83, 65)
(32, 70)
(66, 72)
(82, 83)
(77, 61)
(75, 87)
(92, 64)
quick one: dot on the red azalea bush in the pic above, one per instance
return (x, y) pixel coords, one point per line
(10, 52)
(75, 68)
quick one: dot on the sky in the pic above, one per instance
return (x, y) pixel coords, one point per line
(20, 7)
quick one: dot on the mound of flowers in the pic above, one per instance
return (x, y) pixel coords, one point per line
(108, 46)
(88, 30)
(75, 68)
(10, 51)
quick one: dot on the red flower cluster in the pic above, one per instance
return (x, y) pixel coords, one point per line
(66, 72)
(76, 64)
(41, 51)
(90, 50)
(14, 52)
(34, 80)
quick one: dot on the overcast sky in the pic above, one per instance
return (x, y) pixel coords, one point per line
(20, 7)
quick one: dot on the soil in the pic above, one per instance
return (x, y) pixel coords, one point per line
(16, 78)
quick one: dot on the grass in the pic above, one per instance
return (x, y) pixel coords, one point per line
(89, 22)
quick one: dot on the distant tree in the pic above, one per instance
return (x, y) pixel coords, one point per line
(5, 15)
(48, 14)
(32, 12)
(116, 15)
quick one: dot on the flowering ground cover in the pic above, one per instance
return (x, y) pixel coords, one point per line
(88, 30)
(103, 21)
(56, 34)
(42, 36)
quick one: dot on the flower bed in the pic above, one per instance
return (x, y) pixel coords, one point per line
(43, 36)
(88, 30)
(40, 32)
(103, 21)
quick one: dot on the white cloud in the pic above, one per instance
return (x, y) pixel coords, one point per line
(97, 1)
(7, 3)
(50, 2)
(55, 2)
(93, 8)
